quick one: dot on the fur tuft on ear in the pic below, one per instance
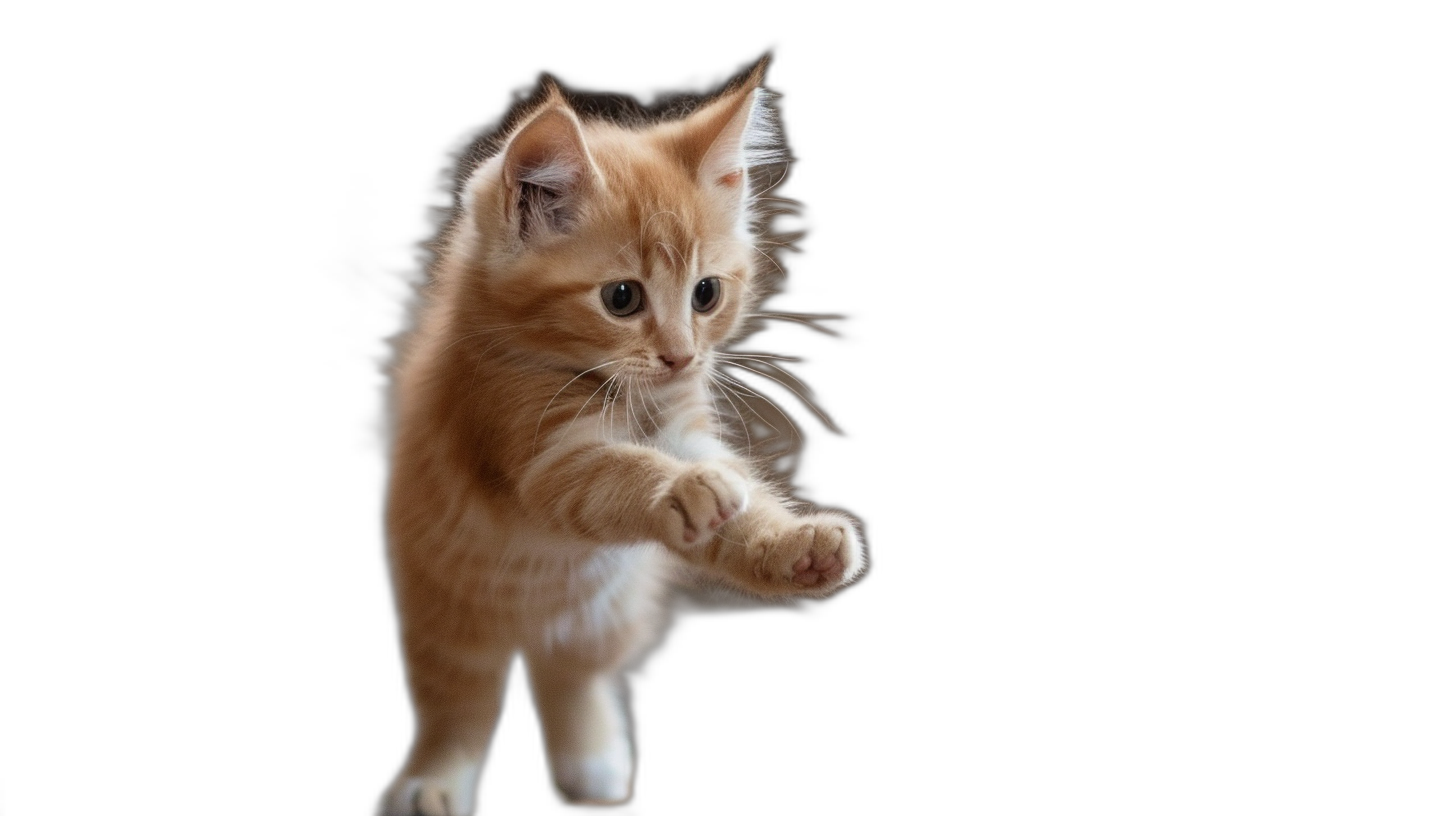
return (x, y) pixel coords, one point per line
(546, 170)
(731, 137)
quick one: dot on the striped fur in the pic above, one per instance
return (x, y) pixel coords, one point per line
(555, 465)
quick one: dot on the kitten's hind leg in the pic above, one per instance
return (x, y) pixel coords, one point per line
(582, 705)
(457, 697)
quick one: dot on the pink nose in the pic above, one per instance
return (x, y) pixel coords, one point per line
(675, 362)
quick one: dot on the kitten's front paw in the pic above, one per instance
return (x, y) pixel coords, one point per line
(816, 556)
(699, 501)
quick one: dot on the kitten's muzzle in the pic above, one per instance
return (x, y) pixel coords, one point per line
(676, 362)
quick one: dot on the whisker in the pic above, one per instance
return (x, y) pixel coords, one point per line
(743, 390)
(657, 409)
(537, 436)
(631, 408)
(469, 335)
(794, 386)
(585, 404)
(501, 340)
(480, 361)
(672, 253)
(772, 261)
(754, 199)
(718, 426)
(747, 435)
(613, 421)
(654, 410)
(607, 401)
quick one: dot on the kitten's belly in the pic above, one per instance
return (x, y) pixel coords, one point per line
(524, 586)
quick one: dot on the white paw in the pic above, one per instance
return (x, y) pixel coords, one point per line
(428, 796)
(699, 501)
(603, 778)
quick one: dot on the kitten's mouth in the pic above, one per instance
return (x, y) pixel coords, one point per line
(661, 375)
(659, 379)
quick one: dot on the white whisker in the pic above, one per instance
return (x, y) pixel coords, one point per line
(537, 436)
(607, 401)
(587, 402)
(794, 381)
(772, 261)
(468, 335)
(656, 410)
(747, 436)
(480, 358)
(743, 390)
(636, 420)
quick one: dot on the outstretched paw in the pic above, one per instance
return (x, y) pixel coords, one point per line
(818, 555)
(699, 501)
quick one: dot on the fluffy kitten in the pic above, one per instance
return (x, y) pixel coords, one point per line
(557, 455)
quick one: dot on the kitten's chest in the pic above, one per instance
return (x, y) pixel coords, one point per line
(556, 591)
(524, 580)
(669, 419)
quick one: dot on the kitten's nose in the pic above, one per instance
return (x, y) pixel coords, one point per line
(675, 362)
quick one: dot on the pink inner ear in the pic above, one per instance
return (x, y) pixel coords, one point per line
(731, 179)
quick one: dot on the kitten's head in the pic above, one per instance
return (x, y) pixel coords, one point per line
(594, 243)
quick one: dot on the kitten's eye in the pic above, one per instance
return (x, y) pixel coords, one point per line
(705, 294)
(622, 298)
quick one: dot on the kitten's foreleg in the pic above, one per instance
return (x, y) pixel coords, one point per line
(710, 512)
(625, 492)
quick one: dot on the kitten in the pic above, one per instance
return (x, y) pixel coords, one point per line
(557, 454)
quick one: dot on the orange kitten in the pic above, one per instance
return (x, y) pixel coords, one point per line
(557, 456)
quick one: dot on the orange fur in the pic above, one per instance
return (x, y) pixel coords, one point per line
(554, 463)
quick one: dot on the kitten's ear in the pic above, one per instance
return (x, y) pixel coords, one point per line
(547, 170)
(731, 134)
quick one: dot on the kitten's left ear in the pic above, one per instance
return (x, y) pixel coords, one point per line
(732, 134)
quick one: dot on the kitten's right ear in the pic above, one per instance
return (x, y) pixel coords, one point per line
(547, 170)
